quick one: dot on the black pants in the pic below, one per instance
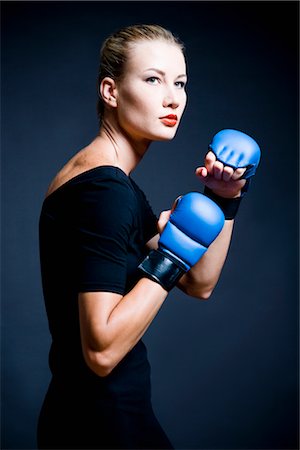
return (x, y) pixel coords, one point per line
(66, 422)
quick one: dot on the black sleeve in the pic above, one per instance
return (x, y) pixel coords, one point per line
(105, 220)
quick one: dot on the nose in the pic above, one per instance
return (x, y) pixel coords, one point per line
(171, 99)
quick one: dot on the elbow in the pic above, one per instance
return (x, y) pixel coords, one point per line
(200, 293)
(100, 362)
(195, 287)
(205, 295)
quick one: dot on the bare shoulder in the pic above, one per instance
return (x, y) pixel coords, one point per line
(71, 169)
(85, 159)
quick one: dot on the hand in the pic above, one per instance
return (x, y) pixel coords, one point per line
(163, 220)
(165, 216)
(221, 179)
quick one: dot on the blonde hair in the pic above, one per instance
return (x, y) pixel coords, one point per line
(115, 49)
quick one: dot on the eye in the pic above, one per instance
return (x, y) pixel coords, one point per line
(153, 80)
(180, 84)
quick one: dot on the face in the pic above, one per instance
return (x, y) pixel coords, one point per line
(151, 96)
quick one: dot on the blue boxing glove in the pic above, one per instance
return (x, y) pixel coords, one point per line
(193, 225)
(238, 150)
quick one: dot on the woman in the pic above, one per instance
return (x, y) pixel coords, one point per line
(96, 227)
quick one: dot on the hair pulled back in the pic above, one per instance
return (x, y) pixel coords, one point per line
(115, 49)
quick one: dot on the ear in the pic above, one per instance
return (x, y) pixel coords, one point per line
(108, 91)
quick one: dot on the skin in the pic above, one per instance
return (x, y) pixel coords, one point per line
(152, 87)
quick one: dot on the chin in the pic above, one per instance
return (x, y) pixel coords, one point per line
(168, 135)
(165, 139)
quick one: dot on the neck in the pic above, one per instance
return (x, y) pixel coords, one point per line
(125, 151)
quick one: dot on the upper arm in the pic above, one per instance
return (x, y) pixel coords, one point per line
(94, 311)
(103, 223)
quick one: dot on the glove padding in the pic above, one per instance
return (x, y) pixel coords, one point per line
(193, 225)
(237, 150)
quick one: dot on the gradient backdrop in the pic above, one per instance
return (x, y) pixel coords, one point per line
(225, 371)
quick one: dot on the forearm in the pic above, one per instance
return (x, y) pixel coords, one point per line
(202, 278)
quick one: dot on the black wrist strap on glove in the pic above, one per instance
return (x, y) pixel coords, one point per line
(162, 268)
(229, 206)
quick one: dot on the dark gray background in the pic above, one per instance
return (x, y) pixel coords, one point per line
(225, 371)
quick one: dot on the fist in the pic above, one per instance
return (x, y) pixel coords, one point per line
(237, 150)
(233, 156)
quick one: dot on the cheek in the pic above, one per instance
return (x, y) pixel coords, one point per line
(128, 102)
(133, 116)
(135, 110)
(184, 100)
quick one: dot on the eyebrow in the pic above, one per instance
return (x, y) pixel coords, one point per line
(163, 73)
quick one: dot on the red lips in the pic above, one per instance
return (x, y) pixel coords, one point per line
(170, 120)
(170, 116)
